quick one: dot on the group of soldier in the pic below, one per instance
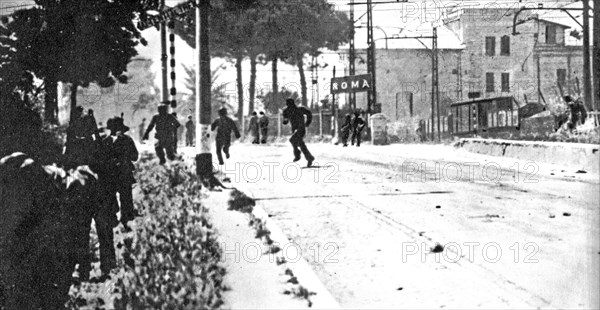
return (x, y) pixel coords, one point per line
(259, 127)
(352, 126)
(109, 153)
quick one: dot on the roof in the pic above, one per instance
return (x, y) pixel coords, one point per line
(481, 100)
(554, 23)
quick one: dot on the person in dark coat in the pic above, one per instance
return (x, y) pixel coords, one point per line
(81, 137)
(224, 126)
(357, 126)
(346, 127)
(577, 112)
(122, 153)
(253, 127)
(263, 124)
(295, 116)
(190, 131)
(165, 125)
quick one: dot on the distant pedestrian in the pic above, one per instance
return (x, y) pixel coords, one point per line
(346, 127)
(253, 127)
(224, 126)
(176, 132)
(141, 129)
(166, 125)
(263, 124)
(358, 124)
(295, 115)
(577, 112)
(190, 131)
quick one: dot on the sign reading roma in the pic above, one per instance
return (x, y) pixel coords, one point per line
(351, 84)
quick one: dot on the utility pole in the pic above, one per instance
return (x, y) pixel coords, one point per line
(203, 105)
(587, 76)
(596, 56)
(351, 56)
(164, 57)
(436, 89)
(372, 94)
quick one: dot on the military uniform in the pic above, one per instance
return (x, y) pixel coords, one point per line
(263, 124)
(253, 127)
(165, 125)
(357, 126)
(346, 127)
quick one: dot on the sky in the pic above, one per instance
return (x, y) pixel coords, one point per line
(403, 19)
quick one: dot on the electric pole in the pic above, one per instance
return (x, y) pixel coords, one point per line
(587, 77)
(372, 94)
(203, 105)
(596, 56)
(351, 56)
(435, 84)
(164, 57)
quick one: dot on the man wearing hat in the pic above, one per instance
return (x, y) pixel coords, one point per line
(122, 153)
(225, 126)
(166, 125)
(295, 115)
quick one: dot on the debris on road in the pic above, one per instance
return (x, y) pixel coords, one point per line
(438, 248)
(566, 214)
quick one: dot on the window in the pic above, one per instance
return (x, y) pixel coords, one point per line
(505, 82)
(561, 77)
(489, 82)
(505, 46)
(490, 46)
(551, 34)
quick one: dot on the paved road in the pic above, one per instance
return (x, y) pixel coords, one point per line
(515, 235)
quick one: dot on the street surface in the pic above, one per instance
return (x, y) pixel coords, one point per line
(515, 234)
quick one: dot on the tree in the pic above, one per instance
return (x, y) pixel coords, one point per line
(79, 42)
(273, 106)
(218, 96)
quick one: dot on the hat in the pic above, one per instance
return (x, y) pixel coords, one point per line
(223, 111)
(116, 124)
(290, 101)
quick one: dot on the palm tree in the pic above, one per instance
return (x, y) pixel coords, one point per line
(217, 93)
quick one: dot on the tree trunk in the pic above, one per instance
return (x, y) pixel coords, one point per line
(51, 101)
(74, 87)
(240, 88)
(275, 90)
(252, 88)
(300, 64)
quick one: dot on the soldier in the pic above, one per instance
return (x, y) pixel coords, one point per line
(165, 124)
(577, 114)
(122, 153)
(346, 129)
(81, 134)
(253, 127)
(224, 126)
(295, 115)
(357, 126)
(190, 130)
(263, 124)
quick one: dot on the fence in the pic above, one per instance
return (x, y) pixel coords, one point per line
(321, 125)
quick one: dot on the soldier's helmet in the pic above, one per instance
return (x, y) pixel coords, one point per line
(222, 111)
(163, 109)
(290, 102)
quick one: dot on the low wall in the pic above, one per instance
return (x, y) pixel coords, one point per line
(573, 155)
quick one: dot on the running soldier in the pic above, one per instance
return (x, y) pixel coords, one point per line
(263, 124)
(357, 126)
(166, 125)
(295, 115)
(224, 126)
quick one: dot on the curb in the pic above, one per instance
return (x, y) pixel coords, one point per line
(575, 155)
(302, 271)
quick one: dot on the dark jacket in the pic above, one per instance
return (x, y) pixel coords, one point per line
(116, 157)
(263, 122)
(225, 126)
(295, 115)
(358, 123)
(253, 125)
(166, 125)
